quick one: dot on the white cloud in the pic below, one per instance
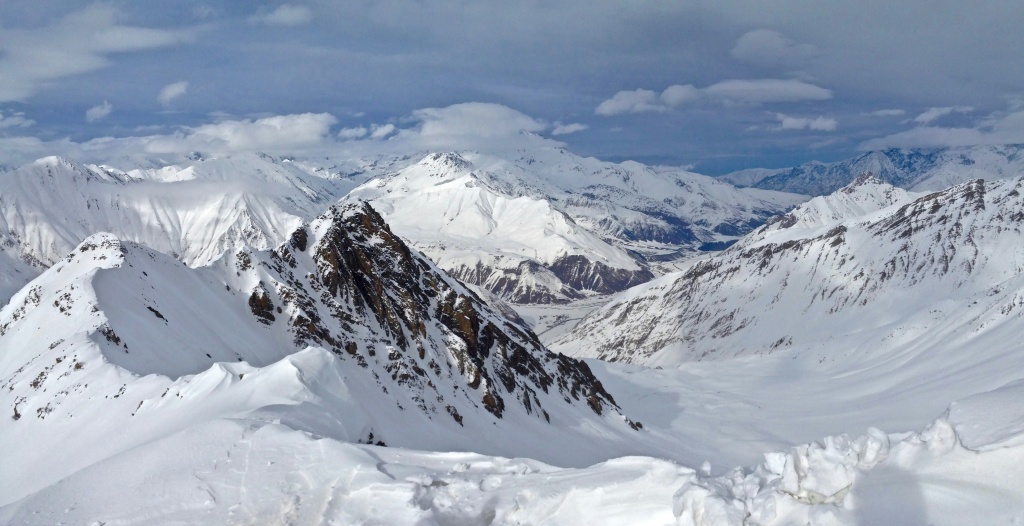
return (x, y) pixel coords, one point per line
(768, 47)
(380, 132)
(347, 134)
(763, 91)
(636, 101)
(997, 129)
(729, 92)
(675, 96)
(474, 119)
(819, 123)
(98, 112)
(269, 133)
(172, 91)
(470, 126)
(932, 114)
(15, 120)
(566, 129)
(78, 43)
(284, 15)
(885, 113)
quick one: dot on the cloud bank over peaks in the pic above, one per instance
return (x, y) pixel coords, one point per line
(997, 128)
(729, 93)
(473, 125)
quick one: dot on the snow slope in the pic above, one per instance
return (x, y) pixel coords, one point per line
(941, 266)
(195, 211)
(341, 331)
(250, 470)
(543, 225)
(913, 169)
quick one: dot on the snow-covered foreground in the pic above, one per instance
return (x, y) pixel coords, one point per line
(255, 471)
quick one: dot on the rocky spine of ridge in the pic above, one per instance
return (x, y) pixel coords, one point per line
(370, 298)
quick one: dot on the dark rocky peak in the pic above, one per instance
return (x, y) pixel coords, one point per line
(349, 284)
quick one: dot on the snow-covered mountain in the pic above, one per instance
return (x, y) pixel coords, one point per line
(913, 169)
(867, 270)
(544, 225)
(194, 211)
(342, 331)
(537, 226)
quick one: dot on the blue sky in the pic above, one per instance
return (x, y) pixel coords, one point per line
(716, 86)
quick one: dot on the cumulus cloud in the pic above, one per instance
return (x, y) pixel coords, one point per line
(729, 92)
(819, 123)
(172, 91)
(348, 134)
(284, 15)
(474, 119)
(768, 47)
(269, 133)
(636, 101)
(765, 91)
(468, 126)
(15, 120)
(885, 113)
(566, 129)
(380, 132)
(98, 112)
(933, 114)
(998, 129)
(78, 43)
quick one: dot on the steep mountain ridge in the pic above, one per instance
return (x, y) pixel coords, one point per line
(547, 226)
(941, 266)
(342, 330)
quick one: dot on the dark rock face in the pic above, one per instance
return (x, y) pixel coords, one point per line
(582, 274)
(358, 290)
(261, 306)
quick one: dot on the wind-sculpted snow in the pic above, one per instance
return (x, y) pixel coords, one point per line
(913, 169)
(546, 226)
(945, 266)
(358, 337)
(259, 471)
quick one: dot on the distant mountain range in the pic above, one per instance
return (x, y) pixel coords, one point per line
(869, 269)
(535, 226)
(912, 169)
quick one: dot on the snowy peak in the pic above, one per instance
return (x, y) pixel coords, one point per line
(545, 226)
(194, 211)
(864, 196)
(436, 326)
(941, 264)
(444, 163)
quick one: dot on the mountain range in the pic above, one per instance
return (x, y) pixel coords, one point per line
(912, 169)
(256, 339)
